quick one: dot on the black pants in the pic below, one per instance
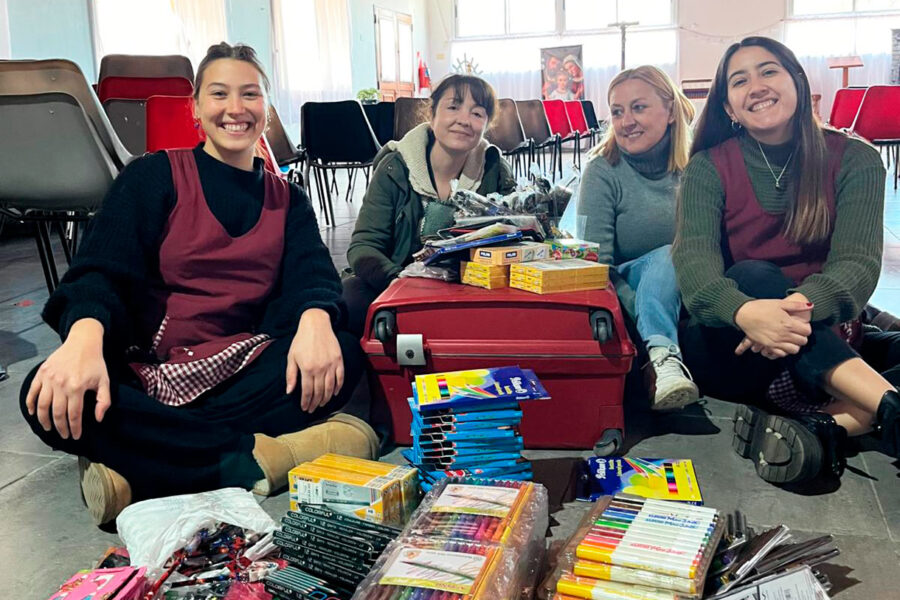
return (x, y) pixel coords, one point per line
(709, 351)
(358, 295)
(204, 445)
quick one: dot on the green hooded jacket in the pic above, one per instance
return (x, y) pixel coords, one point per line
(387, 228)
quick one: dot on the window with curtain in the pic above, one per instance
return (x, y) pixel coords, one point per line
(504, 38)
(186, 27)
(820, 29)
(312, 56)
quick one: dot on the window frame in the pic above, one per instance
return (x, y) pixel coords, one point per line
(559, 29)
(792, 16)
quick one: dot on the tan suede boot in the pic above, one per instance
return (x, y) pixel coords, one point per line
(340, 433)
(104, 492)
(275, 460)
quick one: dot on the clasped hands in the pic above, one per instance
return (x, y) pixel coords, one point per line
(774, 328)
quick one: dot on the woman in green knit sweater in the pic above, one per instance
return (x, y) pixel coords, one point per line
(778, 249)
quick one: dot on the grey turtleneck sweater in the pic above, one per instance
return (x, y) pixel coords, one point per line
(628, 208)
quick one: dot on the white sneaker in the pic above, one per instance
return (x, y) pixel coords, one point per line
(672, 386)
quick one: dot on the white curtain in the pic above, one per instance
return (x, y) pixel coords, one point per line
(312, 56)
(5, 51)
(513, 66)
(186, 27)
(815, 40)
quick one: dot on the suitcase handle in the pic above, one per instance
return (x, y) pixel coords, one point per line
(602, 325)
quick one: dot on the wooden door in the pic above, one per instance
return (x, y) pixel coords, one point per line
(394, 54)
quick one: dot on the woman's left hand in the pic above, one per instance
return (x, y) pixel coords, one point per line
(316, 355)
(771, 353)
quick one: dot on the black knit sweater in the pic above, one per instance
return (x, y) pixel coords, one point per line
(120, 249)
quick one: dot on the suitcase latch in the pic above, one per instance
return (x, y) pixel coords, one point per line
(410, 350)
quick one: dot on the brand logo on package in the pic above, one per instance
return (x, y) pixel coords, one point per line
(512, 254)
(484, 253)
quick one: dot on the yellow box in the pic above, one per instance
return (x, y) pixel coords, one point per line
(474, 269)
(510, 254)
(376, 499)
(408, 477)
(575, 269)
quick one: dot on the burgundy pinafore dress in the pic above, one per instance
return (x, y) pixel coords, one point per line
(200, 314)
(751, 233)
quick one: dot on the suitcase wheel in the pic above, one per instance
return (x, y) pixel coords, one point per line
(609, 443)
(602, 325)
(384, 325)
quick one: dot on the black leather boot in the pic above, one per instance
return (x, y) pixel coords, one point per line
(887, 423)
(789, 450)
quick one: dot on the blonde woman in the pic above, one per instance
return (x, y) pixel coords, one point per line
(626, 204)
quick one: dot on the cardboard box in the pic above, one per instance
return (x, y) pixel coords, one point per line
(377, 499)
(559, 276)
(485, 276)
(408, 477)
(510, 254)
(571, 248)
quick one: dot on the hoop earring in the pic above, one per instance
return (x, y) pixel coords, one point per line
(736, 126)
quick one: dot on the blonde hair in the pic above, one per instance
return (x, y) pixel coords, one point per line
(674, 98)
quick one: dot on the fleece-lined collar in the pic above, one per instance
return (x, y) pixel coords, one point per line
(412, 149)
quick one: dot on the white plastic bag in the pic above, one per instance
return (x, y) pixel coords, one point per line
(153, 529)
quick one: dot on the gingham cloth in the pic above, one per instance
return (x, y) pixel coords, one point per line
(176, 384)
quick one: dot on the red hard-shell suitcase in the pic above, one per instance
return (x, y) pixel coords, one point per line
(575, 342)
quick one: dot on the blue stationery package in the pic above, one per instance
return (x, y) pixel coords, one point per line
(460, 427)
(474, 445)
(470, 416)
(466, 389)
(444, 251)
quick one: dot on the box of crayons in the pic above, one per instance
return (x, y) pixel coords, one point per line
(376, 498)
(330, 551)
(628, 547)
(571, 248)
(407, 477)
(661, 478)
(485, 276)
(544, 277)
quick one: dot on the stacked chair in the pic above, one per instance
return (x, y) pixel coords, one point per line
(878, 120)
(845, 106)
(283, 149)
(409, 112)
(381, 118)
(41, 103)
(578, 119)
(537, 130)
(590, 116)
(133, 65)
(507, 134)
(560, 125)
(336, 135)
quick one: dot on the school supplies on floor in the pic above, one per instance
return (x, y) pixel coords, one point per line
(800, 582)
(120, 583)
(330, 551)
(639, 548)
(476, 387)
(374, 497)
(543, 277)
(661, 478)
(470, 538)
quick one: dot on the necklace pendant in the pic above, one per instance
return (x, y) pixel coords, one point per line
(779, 187)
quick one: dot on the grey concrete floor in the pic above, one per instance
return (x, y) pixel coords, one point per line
(49, 536)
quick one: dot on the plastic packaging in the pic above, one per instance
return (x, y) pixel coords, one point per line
(420, 269)
(153, 530)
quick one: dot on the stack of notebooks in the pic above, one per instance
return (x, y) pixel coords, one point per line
(466, 423)
(329, 551)
(631, 547)
(366, 489)
(544, 277)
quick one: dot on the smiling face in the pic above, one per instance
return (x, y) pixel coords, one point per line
(458, 124)
(639, 115)
(231, 107)
(762, 95)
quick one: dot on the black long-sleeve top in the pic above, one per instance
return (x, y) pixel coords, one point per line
(120, 249)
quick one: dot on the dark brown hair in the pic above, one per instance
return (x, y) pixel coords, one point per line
(807, 220)
(236, 52)
(482, 93)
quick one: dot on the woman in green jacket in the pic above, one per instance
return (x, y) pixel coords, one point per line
(408, 198)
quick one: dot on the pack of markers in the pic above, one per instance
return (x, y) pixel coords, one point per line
(629, 547)
(466, 423)
(470, 538)
(328, 550)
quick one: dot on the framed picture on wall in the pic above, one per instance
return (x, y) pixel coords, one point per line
(562, 73)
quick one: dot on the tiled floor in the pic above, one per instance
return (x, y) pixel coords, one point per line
(48, 535)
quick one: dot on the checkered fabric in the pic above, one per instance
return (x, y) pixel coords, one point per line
(177, 384)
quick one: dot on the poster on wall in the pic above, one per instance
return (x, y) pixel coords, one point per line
(562, 72)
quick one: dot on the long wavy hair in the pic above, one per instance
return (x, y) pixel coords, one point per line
(807, 220)
(675, 101)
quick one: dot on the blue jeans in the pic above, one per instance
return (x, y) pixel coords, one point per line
(657, 301)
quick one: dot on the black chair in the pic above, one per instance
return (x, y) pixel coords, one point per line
(55, 164)
(537, 129)
(408, 113)
(129, 120)
(381, 118)
(507, 134)
(597, 127)
(336, 135)
(286, 153)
